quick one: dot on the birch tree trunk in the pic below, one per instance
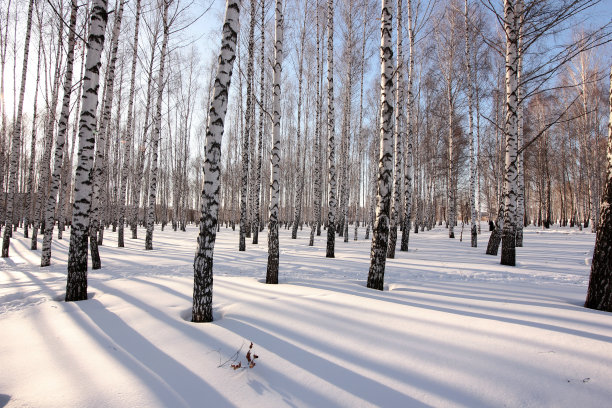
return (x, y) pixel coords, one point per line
(360, 135)
(511, 15)
(468, 66)
(300, 176)
(12, 190)
(398, 136)
(45, 258)
(318, 165)
(257, 219)
(30, 195)
(408, 168)
(157, 131)
(129, 131)
(76, 286)
(331, 142)
(380, 233)
(246, 137)
(203, 262)
(101, 161)
(273, 250)
(599, 294)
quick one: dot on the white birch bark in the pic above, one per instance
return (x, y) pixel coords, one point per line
(300, 176)
(45, 258)
(599, 294)
(246, 137)
(31, 183)
(101, 160)
(157, 131)
(16, 144)
(398, 136)
(203, 262)
(129, 131)
(408, 166)
(511, 15)
(273, 250)
(468, 66)
(316, 225)
(380, 234)
(257, 193)
(331, 142)
(76, 286)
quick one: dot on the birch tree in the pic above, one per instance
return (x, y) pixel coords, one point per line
(246, 137)
(398, 136)
(45, 258)
(129, 130)
(157, 128)
(599, 294)
(76, 286)
(331, 141)
(273, 250)
(203, 262)
(16, 144)
(385, 166)
(468, 66)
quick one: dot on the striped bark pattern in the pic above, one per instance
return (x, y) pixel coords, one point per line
(316, 225)
(300, 174)
(30, 195)
(385, 164)
(511, 15)
(599, 295)
(100, 164)
(129, 131)
(398, 136)
(45, 258)
(408, 166)
(273, 250)
(16, 145)
(247, 134)
(76, 286)
(331, 142)
(257, 193)
(468, 63)
(156, 135)
(203, 262)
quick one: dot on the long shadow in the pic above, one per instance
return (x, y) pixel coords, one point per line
(173, 383)
(297, 389)
(478, 315)
(354, 383)
(508, 301)
(4, 400)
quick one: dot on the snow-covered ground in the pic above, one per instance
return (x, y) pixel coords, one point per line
(452, 328)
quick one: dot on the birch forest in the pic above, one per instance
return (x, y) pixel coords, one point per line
(337, 120)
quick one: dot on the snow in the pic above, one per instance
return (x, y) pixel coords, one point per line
(453, 328)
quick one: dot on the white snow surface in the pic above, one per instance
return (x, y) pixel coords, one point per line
(453, 328)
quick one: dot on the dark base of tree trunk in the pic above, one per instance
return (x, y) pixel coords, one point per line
(101, 235)
(451, 234)
(273, 252)
(331, 241)
(120, 240)
(312, 235)
(405, 237)
(519, 237)
(95, 253)
(494, 241)
(149, 240)
(474, 235)
(26, 231)
(76, 285)
(392, 242)
(201, 311)
(6, 242)
(242, 239)
(508, 255)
